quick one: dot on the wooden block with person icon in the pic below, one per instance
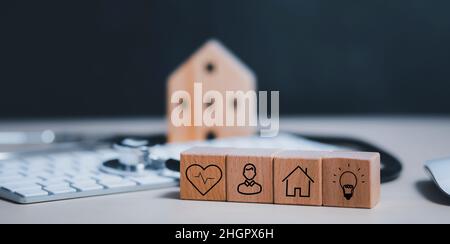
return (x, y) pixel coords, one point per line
(250, 175)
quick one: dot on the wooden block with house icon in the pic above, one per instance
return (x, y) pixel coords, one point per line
(298, 178)
(250, 175)
(351, 179)
(216, 69)
(202, 174)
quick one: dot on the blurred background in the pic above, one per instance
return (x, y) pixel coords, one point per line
(111, 58)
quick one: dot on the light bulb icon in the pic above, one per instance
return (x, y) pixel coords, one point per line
(348, 182)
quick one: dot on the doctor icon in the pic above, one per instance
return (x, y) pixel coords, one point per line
(249, 186)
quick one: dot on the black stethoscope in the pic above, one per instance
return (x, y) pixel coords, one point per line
(135, 157)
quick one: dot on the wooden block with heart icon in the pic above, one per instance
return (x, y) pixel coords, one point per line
(203, 174)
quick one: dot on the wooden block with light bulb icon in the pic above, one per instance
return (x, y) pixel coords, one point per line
(351, 179)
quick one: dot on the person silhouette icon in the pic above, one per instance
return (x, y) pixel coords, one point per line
(249, 186)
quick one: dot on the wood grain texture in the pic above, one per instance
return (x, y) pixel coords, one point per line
(250, 175)
(298, 178)
(351, 179)
(202, 174)
(217, 69)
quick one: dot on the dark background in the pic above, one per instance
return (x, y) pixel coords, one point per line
(111, 58)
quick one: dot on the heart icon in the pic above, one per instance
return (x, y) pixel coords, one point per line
(204, 179)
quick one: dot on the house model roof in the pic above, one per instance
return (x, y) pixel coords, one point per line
(214, 51)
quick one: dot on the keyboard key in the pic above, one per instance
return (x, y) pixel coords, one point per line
(24, 180)
(20, 186)
(10, 162)
(11, 167)
(62, 166)
(81, 177)
(32, 193)
(50, 176)
(149, 180)
(32, 161)
(72, 173)
(57, 181)
(57, 177)
(85, 169)
(9, 172)
(87, 186)
(118, 184)
(11, 178)
(58, 184)
(82, 181)
(5, 166)
(34, 173)
(107, 178)
(60, 189)
(36, 165)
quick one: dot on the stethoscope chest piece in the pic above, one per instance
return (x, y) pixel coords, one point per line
(133, 159)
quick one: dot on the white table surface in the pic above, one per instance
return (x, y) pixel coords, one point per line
(410, 199)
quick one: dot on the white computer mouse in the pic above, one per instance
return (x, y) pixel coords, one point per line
(439, 171)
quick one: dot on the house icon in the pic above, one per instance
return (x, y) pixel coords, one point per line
(217, 69)
(298, 183)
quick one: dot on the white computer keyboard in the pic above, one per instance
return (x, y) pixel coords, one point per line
(68, 175)
(58, 176)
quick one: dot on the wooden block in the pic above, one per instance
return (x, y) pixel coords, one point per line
(250, 175)
(217, 69)
(202, 174)
(298, 178)
(351, 179)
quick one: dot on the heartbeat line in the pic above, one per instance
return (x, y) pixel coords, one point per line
(203, 179)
